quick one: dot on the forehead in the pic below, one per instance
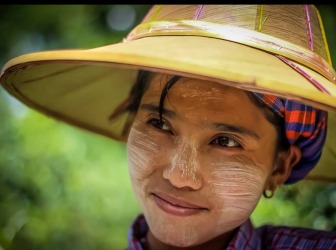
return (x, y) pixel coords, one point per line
(199, 94)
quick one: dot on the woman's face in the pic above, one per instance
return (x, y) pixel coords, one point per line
(201, 172)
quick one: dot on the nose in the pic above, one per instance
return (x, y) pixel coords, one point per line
(184, 168)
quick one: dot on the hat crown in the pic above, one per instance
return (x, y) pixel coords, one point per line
(293, 31)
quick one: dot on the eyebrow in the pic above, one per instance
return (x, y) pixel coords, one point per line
(236, 129)
(216, 125)
(154, 108)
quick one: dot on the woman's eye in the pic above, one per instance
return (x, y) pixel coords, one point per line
(224, 141)
(159, 124)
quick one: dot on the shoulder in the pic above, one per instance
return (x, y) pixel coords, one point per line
(285, 237)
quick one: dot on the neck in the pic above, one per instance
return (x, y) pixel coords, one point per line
(218, 243)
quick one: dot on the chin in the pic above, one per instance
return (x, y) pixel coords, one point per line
(175, 235)
(178, 241)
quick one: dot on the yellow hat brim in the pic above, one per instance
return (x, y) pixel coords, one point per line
(83, 87)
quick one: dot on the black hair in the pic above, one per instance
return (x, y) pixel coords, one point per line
(275, 119)
(164, 93)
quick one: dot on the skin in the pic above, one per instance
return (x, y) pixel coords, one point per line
(200, 174)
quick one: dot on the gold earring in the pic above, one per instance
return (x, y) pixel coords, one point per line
(268, 193)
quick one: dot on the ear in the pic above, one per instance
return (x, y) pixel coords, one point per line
(284, 162)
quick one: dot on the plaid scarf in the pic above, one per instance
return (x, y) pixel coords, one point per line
(305, 127)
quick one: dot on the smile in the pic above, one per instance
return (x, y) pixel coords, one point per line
(176, 207)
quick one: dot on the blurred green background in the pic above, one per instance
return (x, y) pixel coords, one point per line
(64, 188)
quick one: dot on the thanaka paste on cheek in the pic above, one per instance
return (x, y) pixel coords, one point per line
(141, 153)
(237, 185)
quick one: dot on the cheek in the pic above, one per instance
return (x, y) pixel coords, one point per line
(237, 186)
(142, 152)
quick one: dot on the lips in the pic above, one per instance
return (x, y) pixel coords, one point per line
(176, 206)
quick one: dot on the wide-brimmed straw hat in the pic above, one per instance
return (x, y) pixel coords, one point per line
(276, 49)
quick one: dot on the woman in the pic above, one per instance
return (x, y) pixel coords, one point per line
(219, 105)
